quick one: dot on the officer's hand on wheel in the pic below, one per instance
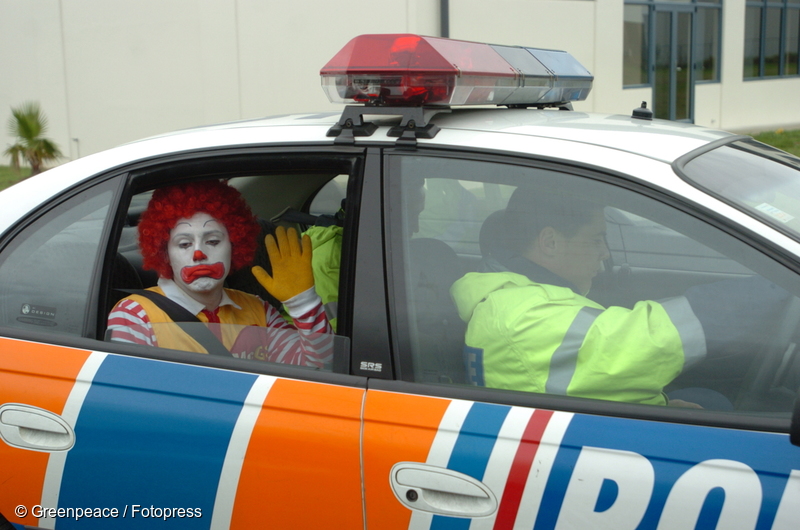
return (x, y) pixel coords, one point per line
(290, 258)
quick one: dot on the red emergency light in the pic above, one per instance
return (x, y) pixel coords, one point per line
(412, 70)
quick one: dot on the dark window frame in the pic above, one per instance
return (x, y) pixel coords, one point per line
(785, 7)
(694, 6)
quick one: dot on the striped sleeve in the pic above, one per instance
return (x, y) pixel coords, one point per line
(128, 322)
(309, 342)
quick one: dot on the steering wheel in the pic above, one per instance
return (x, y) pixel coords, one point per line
(771, 358)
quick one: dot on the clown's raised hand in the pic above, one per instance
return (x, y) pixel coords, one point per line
(290, 258)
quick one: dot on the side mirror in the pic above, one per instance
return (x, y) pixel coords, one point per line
(794, 429)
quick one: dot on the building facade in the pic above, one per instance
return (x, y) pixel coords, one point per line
(109, 72)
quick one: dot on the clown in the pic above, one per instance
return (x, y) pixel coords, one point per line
(193, 236)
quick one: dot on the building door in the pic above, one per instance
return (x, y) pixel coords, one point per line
(673, 86)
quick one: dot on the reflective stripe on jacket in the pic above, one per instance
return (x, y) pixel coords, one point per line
(544, 338)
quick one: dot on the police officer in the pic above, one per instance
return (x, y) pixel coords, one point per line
(532, 328)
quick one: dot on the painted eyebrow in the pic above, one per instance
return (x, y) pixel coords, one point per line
(215, 231)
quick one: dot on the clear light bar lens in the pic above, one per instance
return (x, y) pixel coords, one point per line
(410, 70)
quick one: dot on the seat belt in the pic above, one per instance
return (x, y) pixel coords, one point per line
(183, 319)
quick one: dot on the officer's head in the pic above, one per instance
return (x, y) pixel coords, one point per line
(559, 231)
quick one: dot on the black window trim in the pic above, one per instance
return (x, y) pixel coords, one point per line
(785, 6)
(692, 6)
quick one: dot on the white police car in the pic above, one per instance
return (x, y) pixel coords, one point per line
(400, 432)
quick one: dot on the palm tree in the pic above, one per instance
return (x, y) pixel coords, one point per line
(28, 125)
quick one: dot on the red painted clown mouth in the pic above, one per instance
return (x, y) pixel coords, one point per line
(190, 274)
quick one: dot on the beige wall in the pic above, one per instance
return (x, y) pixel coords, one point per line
(535, 23)
(112, 71)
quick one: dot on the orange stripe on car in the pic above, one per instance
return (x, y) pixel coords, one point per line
(40, 375)
(284, 467)
(397, 428)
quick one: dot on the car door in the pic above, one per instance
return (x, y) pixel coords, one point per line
(446, 448)
(99, 433)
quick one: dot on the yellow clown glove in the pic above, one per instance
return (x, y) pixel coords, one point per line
(291, 265)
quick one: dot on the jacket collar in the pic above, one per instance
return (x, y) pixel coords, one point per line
(537, 273)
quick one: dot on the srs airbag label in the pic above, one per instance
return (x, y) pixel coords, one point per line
(38, 315)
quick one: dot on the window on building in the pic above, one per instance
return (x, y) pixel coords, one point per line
(772, 38)
(707, 21)
(791, 58)
(642, 35)
(637, 33)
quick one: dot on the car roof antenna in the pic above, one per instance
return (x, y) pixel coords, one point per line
(642, 113)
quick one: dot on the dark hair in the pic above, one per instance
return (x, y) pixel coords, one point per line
(217, 199)
(530, 210)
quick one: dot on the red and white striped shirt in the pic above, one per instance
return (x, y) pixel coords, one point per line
(306, 343)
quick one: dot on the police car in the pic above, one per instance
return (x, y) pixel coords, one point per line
(399, 432)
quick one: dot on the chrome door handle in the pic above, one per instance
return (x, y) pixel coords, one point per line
(441, 491)
(34, 428)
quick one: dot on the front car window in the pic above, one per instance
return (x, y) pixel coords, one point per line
(540, 281)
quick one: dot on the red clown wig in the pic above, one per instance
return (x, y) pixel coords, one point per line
(214, 197)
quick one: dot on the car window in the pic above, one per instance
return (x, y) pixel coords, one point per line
(251, 322)
(540, 281)
(328, 199)
(752, 176)
(47, 270)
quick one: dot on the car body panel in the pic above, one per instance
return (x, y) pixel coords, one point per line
(39, 376)
(150, 433)
(244, 448)
(562, 470)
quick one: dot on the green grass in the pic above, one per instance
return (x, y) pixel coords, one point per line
(9, 176)
(789, 141)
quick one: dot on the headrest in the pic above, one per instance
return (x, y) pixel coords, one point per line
(493, 238)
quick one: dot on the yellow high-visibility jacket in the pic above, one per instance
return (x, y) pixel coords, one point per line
(537, 337)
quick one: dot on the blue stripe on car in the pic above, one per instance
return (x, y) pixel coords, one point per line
(673, 449)
(472, 450)
(154, 435)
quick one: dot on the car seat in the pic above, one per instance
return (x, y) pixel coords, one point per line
(434, 267)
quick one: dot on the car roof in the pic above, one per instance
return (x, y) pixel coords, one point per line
(659, 139)
(555, 133)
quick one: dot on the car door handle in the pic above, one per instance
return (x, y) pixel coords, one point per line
(34, 428)
(441, 491)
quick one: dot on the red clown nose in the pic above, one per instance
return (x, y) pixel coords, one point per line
(198, 255)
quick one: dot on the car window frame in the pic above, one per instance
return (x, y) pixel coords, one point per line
(401, 341)
(126, 185)
(292, 158)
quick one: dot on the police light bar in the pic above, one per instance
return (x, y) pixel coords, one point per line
(412, 70)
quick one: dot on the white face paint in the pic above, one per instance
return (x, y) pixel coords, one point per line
(199, 252)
